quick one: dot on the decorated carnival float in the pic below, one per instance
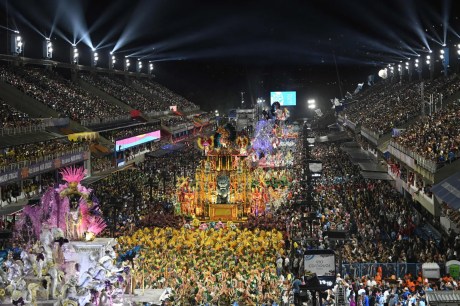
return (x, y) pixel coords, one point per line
(58, 259)
(239, 177)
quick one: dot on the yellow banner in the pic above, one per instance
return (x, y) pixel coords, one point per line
(83, 135)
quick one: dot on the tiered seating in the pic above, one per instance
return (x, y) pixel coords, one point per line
(118, 89)
(10, 117)
(390, 105)
(64, 97)
(435, 138)
(167, 96)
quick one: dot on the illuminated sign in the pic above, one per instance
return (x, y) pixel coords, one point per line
(126, 143)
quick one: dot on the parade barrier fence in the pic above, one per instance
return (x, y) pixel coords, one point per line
(358, 270)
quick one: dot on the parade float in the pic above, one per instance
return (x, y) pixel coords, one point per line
(239, 176)
(58, 258)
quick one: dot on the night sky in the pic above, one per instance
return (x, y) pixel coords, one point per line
(211, 51)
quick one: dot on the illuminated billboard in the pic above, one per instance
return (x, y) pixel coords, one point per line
(285, 98)
(126, 143)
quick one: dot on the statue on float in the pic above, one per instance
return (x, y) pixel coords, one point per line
(34, 270)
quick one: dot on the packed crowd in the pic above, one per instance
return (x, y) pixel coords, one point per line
(101, 164)
(36, 150)
(435, 137)
(117, 88)
(150, 192)
(174, 121)
(12, 118)
(123, 133)
(66, 98)
(167, 96)
(392, 104)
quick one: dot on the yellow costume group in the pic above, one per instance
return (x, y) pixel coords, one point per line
(209, 266)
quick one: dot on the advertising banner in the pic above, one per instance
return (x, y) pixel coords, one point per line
(322, 264)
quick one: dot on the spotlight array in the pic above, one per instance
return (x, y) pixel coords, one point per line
(74, 55)
(16, 43)
(127, 64)
(150, 67)
(47, 49)
(112, 61)
(94, 58)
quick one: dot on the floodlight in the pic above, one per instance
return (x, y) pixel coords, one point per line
(47, 49)
(112, 61)
(150, 67)
(442, 51)
(74, 55)
(16, 43)
(94, 58)
(127, 64)
(139, 66)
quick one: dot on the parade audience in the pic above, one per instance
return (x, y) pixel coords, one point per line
(392, 104)
(12, 118)
(118, 88)
(66, 98)
(167, 96)
(36, 150)
(123, 133)
(435, 137)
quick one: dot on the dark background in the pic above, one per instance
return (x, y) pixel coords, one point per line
(211, 51)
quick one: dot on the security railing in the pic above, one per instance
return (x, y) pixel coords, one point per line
(421, 161)
(94, 121)
(358, 270)
(26, 163)
(39, 127)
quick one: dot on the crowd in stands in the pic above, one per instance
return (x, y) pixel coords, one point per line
(12, 118)
(167, 96)
(174, 121)
(390, 104)
(123, 133)
(119, 89)
(36, 150)
(66, 98)
(101, 164)
(435, 137)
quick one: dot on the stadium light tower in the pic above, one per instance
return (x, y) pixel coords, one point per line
(409, 69)
(94, 58)
(16, 43)
(430, 65)
(444, 56)
(150, 67)
(418, 68)
(112, 60)
(458, 57)
(74, 55)
(47, 49)
(139, 66)
(127, 64)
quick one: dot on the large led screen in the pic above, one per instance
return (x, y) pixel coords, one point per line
(285, 98)
(126, 143)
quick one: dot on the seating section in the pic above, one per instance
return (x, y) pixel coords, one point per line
(392, 104)
(59, 94)
(12, 118)
(435, 137)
